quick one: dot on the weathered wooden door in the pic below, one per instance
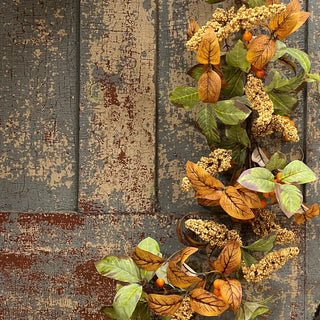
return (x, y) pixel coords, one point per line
(91, 152)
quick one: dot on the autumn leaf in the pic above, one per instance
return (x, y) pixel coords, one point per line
(206, 303)
(184, 254)
(202, 182)
(307, 215)
(209, 86)
(270, 2)
(208, 203)
(179, 278)
(209, 49)
(233, 203)
(261, 50)
(288, 21)
(229, 259)
(164, 305)
(146, 260)
(193, 27)
(250, 197)
(231, 293)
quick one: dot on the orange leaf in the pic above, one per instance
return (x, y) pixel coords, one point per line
(250, 197)
(206, 303)
(165, 306)
(302, 19)
(209, 49)
(229, 259)
(202, 182)
(311, 213)
(179, 278)
(146, 260)
(231, 293)
(193, 27)
(233, 204)
(184, 254)
(209, 86)
(270, 2)
(261, 50)
(207, 203)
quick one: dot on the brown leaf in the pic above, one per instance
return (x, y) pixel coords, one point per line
(250, 197)
(179, 278)
(289, 20)
(165, 306)
(206, 303)
(202, 182)
(184, 254)
(209, 49)
(229, 259)
(209, 86)
(201, 285)
(233, 204)
(309, 214)
(146, 260)
(261, 50)
(207, 203)
(193, 27)
(231, 293)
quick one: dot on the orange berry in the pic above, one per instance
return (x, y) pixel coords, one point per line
(287, 138)
(216, 292)
(216, 283)
(247, 36)
(292, 123)
(263, 203)
(160, 282)
(266, 195)
(260, 74)
(286, 117)
(272, 193)
(278, 176)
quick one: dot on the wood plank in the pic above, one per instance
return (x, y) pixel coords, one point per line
(38, 126)
(47, 260)
(117, 129)
(312, 150)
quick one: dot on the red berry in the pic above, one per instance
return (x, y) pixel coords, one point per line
(263, 203)
(247, 36)
(260, 74)
(160, 282)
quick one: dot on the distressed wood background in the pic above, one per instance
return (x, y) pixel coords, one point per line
(92, 153)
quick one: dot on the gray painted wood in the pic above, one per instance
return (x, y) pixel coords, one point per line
(38, 106)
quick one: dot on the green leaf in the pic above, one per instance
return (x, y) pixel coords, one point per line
(162, 272)
(238, 134)
(207, 123)
(247, 258)
(253, 309)
(289, 198)
(186, 97)
(234, 78)
(256, 3)
(280, 50)
(277, 161)
(242, 99)
(301, 57)
(284, 85)
(239, 154)
(257, 179)
(237, 57)
(119, 268)
(231, 112)
(141, 312)
(264, 245)
(297, 172)
(282, 103)
(150, 245)
(126, 299)
(196, 72)
(240, 314)
(110, 312)
(314, 76)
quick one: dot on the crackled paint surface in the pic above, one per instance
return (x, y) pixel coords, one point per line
(117, 112)
(132, 145)
(38, 109)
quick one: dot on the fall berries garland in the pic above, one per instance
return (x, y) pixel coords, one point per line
(242, 99)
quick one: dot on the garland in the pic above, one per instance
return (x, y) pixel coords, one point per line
(239, 106)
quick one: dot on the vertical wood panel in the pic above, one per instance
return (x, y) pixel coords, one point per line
(117, 106)
(312, 274)
(38, 109)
